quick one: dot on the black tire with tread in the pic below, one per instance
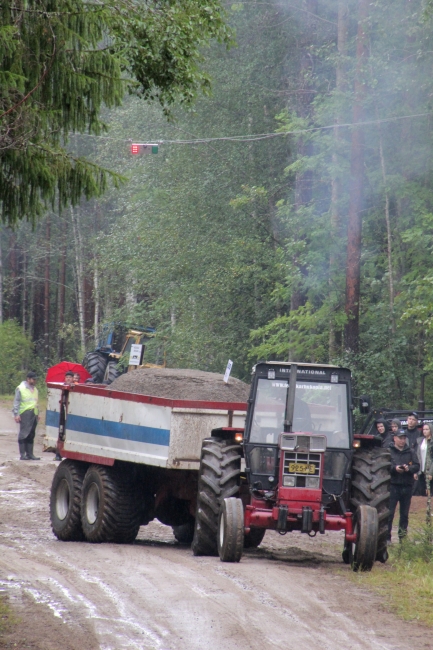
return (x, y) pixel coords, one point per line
(219, 478)
(371, 480)
(230, 536)
(119, 511)
(66, 493)
(95, 363)
(364, 550)
(111, 373)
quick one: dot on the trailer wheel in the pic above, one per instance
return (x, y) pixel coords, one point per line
(365, 548)
(95, 363)
(219, 477)
(65, 499)
(371, 481)
(111, 373)
(184, 533)
(254, 538)
(110, 506)
(230, 536)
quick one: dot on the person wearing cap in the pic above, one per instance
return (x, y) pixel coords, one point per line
(404, 464)
(69, 378)
(26, 413)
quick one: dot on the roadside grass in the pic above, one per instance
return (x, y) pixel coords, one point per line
(7, 617)
(405, 582)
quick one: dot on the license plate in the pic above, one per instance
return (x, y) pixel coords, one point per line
(302, 468)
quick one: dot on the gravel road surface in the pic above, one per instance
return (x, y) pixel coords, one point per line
(292, 593)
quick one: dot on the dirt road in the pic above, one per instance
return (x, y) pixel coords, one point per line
(155, 594)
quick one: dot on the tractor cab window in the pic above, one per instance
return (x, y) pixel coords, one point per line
(319, 408)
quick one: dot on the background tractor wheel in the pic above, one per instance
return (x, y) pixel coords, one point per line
(254, 538)
(111, 373)
(365, 548)
(371, 480)
(184, 533)
(65, 501)
(95, 363)
(231, 530)
(219, 476)
(111, 509)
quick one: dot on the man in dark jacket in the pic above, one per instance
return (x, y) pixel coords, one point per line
(413, 431)
(404, 464)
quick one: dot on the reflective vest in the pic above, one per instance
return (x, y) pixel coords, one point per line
(29, 398)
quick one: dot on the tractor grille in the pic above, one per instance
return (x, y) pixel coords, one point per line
(302, 469)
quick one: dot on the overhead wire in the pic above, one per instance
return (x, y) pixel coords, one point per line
(260, 136)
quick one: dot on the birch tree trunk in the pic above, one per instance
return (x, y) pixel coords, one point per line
(354, 226)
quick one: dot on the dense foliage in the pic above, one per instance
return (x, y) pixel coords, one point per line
(60, 62)
(238, 248)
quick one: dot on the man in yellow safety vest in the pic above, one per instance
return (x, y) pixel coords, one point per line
(26, 413)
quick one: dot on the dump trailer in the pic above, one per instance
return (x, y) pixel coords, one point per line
(299, 467)
(128, 458)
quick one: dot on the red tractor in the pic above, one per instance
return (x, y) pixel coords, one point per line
(295, 466)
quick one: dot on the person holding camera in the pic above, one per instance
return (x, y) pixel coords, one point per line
(404, 464)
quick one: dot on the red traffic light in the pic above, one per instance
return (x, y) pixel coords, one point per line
(137, 149)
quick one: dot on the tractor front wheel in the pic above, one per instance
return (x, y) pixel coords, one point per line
(365, 548)
(230, 537)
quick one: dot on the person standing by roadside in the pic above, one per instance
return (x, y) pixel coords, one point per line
(395, 426)
(26, 413)
(413, 431)
(404, 464)
(424, 448)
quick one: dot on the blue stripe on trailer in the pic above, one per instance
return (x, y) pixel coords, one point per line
(121, 430)
(52, 419)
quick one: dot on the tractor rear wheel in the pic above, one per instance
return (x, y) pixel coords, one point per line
(254, 538)
(231, 530)
(371, 481)
(365, 548)
(95, 363)
(219, 477)
(111, 509)
(111, 373)
(65, 499)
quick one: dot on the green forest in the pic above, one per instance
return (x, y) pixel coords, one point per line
(288, 213)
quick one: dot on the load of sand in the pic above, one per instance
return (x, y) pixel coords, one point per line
(176, 383)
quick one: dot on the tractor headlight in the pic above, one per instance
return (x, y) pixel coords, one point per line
(318, 443)
(312, 482)
(289, 481)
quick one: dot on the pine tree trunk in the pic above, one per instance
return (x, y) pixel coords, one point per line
(1, 278)
(388, 232)
(340, 87)
(79, 274)
(62, 290)
(47, 293)
(354, 226)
